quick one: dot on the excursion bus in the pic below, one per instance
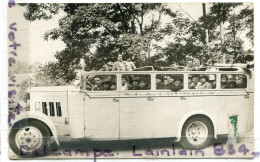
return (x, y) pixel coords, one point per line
(191, 107)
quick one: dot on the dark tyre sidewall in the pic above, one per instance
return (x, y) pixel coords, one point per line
(44, 147)
(184, 141)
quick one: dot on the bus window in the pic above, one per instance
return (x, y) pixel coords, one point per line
(230, 81)
(101, 83)
(172, 82)
(136, 82)
(202, 81)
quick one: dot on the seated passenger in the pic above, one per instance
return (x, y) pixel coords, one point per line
(159, 83)
(106, 85)
(204, 84)
(113, 86)
(195, 81)
(224, 81)
(98, 83)
(135, 84)
(177, 84)
(232, 83)
(143, 85)
(190, 83)
(125, 84)
(170, 82)
(242, 82)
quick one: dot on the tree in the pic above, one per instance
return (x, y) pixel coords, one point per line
(107, 29)
(233, 19)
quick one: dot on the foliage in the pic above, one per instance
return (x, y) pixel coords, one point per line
(99, 32)
(49, 75)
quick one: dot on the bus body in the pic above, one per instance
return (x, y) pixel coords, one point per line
(192, 116)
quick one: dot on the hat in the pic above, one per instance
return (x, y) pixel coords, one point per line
(232, 81)
(106, 82)
(178, 77)
(170, 76)
(112, 83)
(195, 75)
(204, 76)
(142, 80)
(135, 79)
(159, 77)
(224, 76)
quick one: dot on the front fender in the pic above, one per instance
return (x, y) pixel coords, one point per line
(38, 116)
(188, 115)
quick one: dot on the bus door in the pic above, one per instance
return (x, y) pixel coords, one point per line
(101, 107)
(136, 107)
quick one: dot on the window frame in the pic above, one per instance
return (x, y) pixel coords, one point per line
(151, 82)
(227, 89)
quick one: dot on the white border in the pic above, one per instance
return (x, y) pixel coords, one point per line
(4, 70)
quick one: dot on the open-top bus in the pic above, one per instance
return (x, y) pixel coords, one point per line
(104, 105)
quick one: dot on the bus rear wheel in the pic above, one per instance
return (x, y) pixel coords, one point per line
(30, 140)
(197, 133)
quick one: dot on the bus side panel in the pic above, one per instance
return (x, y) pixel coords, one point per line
(76, 114)
(250, 119)
(168, 112)
(204, 106)
(102, 117)
(228, 110)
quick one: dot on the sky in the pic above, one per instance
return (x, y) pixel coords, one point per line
(42, 51)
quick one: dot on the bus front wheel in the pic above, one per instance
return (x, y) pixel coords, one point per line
(32, 139)
(197, 133)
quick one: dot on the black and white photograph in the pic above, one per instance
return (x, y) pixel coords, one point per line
(131, 80)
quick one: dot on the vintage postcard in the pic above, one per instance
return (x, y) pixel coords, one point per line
(131, 80)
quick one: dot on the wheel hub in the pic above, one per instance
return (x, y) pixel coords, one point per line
(197, 133)
(29, 138)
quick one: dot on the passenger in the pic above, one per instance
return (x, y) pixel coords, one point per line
(144, 61)
(197, 66)
(109, 66)
(159, 83)
(224, 81)
(143, 85)
(129, 65)
(242, 82)
(113, 86)
(195, 81)
(170, 82)
(119, 65)
(125, 84)
(232, 83)
(189, 65)
(135, 84)
(204, 84)
(98, 83)
(106, 85)
(190, 83)
(177, 84)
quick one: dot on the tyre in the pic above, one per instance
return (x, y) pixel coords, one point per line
(32, 139)
(197, 133)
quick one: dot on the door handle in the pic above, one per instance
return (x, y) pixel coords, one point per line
(183, 98)
(115, 100)
(150, 99)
